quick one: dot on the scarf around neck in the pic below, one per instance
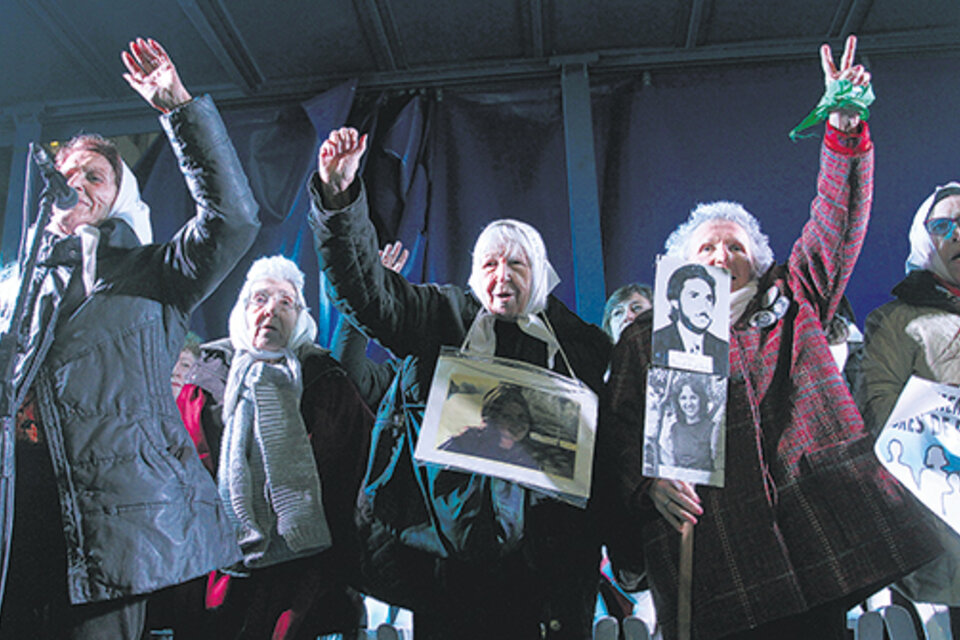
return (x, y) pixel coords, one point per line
(267, 475)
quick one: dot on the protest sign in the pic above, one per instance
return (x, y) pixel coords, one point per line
(683, 429)
(920, 446)
(510, 420)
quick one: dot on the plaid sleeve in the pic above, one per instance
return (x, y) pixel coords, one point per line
(823, 258)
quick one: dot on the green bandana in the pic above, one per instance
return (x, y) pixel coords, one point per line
(840, 94)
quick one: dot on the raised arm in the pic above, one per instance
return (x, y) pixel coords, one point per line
(337, 163)
(152, 74)
(823, 258)
(349, 345)
(187, 269)
(846, 120)
(408, 319)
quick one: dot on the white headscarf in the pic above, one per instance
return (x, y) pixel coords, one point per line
(127, 206)
(130, 208)
(507, 235)
(923, 254)
(281, 269)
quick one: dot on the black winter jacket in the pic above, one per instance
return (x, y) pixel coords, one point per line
(138, 510)
(553, 576)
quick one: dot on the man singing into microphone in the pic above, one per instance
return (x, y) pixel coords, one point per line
(111, 501)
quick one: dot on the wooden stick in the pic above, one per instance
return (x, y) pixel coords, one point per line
(684, 604)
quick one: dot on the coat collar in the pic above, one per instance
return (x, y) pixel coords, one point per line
(921, 288)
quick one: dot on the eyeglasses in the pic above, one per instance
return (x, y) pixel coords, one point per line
(942, 227)
(261, 298)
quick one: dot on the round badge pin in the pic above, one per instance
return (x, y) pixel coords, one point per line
(763, 319)
(780, 306)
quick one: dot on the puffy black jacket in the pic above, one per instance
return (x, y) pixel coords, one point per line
(553, 576)
(139, 512)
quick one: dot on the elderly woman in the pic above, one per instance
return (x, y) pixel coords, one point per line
(915, 335)
(511, 561)
(807, 521)
(111, 503)
(292, 443)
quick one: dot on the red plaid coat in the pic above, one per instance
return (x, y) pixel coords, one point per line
(807, 515)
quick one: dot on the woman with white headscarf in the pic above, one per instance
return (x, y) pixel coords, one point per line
(486, 558)
(109, 498)
(291, 434)
(917, 335)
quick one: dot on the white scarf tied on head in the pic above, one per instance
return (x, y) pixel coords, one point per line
(923, 253)
(127, 206)
(265, 440)
(481, 337)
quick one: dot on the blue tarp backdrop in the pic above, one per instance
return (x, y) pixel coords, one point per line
(440, 165)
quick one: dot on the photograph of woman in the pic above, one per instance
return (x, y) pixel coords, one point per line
(686, 425)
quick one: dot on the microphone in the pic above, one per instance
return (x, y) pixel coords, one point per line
(64, 196)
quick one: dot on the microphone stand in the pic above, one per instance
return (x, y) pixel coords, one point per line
(9, 342)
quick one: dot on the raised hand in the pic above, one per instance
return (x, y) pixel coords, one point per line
(153, 76)
(339, 159)
(394, 256)
(845, 120)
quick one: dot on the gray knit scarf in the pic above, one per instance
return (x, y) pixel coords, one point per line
(267, 476)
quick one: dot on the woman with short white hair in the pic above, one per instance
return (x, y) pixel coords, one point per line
(807, 522)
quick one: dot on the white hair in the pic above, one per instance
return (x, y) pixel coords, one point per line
(280, 269)
(761, 255)
(513, 236)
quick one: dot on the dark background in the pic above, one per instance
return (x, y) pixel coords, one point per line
(691, 101)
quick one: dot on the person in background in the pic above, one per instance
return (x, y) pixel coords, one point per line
(808, 522)
(111, 504)
(622, 592)
(349, 346)
(188, 356)
(623, 306)
(915, 335)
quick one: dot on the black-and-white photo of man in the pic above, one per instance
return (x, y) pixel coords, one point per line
(686, 341)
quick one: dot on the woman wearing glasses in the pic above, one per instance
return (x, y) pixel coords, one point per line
(917, 334)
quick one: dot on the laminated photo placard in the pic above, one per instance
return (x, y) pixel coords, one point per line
(683, 429)
(510, 420)
(920, 446)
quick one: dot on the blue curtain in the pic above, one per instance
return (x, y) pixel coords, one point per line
(442, 164)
